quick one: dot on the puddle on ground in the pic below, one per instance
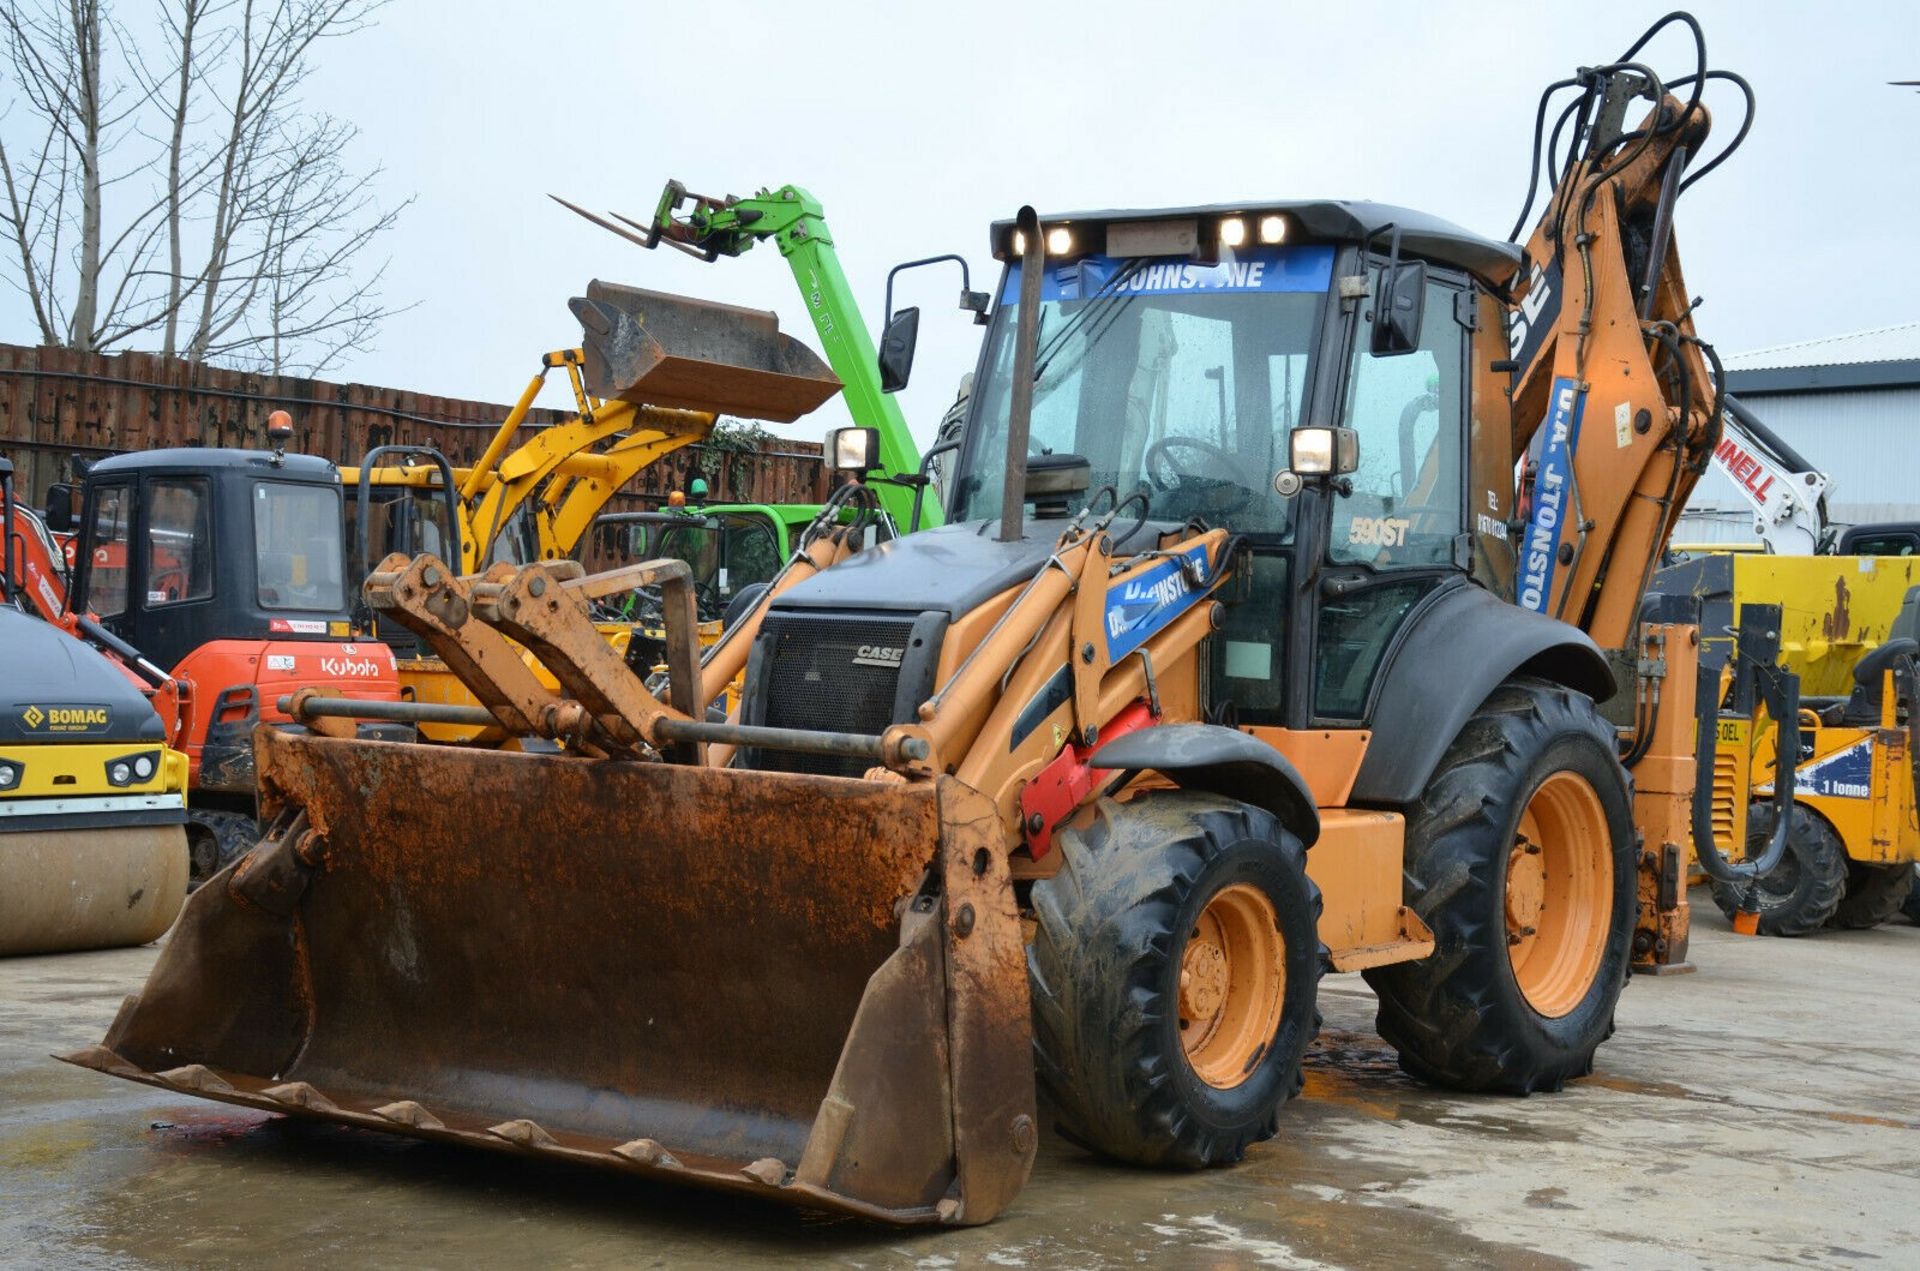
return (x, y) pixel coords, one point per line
(212, 1189)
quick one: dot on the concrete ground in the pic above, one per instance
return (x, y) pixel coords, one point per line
(1766, 1109)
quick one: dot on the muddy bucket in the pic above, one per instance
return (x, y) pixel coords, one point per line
(665, 350)
(806, 988)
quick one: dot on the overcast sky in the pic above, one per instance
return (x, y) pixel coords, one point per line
(917, 124)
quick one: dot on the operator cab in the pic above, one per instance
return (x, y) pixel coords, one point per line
(1179, 351)
(725, 552)
(730, 551)
(180, 548)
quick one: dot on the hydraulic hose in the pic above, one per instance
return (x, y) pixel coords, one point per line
(1781, 692)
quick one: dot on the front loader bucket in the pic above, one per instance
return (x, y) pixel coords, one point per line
(665, 350)
(806, 988)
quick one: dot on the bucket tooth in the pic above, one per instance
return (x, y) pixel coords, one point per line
(100, 1059)
(648, 1152)
(298, 1094)
(770, 1170)
(407, 1112)
(523, 1133)
(196, 1077)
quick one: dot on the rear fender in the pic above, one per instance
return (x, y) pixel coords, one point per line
(1452, 655)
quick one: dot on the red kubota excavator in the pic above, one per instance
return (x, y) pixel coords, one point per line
(228, 569)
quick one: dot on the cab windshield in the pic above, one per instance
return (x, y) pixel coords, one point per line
(299, 546)
(725, 553)
(1176, 379)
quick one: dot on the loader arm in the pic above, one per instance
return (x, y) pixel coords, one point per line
(583, 477)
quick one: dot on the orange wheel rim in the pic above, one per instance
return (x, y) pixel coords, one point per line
(1233, 983)
(1559, 894)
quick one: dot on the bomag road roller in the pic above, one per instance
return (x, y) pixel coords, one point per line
(1241, 655)
(93, 822)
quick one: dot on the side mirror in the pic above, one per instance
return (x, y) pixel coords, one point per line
(1398, 308)
(896, 349)
(1316, 452)
(854, 451)
(59, 514)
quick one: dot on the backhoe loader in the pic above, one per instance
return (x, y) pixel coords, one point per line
(1234, 660)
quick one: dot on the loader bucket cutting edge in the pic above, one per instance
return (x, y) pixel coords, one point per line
(666, 350)
(806, 988)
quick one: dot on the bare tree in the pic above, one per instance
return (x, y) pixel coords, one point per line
(264, 227)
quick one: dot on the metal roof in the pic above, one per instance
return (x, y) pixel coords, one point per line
(1899, 343)
(1884, 357)
(1421, 233)
(208, 458)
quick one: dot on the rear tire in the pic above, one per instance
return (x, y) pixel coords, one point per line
(1804, 890)
(1531, 938)
(1912, 906)
(1874, 894)
(1174, 909)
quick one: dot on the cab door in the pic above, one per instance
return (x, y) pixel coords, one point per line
(174, 556)
(104, 558)
(1398, 524)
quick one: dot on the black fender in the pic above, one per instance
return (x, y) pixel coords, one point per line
(1453, 653)
(1222, 761)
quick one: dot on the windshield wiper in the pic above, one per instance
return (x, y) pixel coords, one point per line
(1099, 303)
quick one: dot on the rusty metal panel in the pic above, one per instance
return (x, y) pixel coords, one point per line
(58, 403)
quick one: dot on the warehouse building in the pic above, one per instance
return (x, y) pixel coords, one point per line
(1850, 404)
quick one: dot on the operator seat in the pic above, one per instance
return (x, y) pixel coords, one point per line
(1862, 707)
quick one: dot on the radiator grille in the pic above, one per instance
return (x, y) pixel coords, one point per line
(1729, 798)
(817, 677)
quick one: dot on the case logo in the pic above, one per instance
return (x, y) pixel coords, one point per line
(878, 655)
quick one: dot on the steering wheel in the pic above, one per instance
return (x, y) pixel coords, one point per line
(1212, 491)
(707, 598)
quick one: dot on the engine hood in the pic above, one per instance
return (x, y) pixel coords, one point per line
(953, 569)
(57, 688)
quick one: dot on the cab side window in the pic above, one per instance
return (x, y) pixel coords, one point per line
(179, 541)
(112, 541)
(1409, 410)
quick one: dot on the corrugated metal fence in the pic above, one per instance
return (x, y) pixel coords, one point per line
(57, 404)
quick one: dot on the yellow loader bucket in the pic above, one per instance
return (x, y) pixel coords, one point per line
(667, 350)
(806, 988)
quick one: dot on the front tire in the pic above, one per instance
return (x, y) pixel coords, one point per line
(1174, 972)
(1520, 856)
(1803, 891)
